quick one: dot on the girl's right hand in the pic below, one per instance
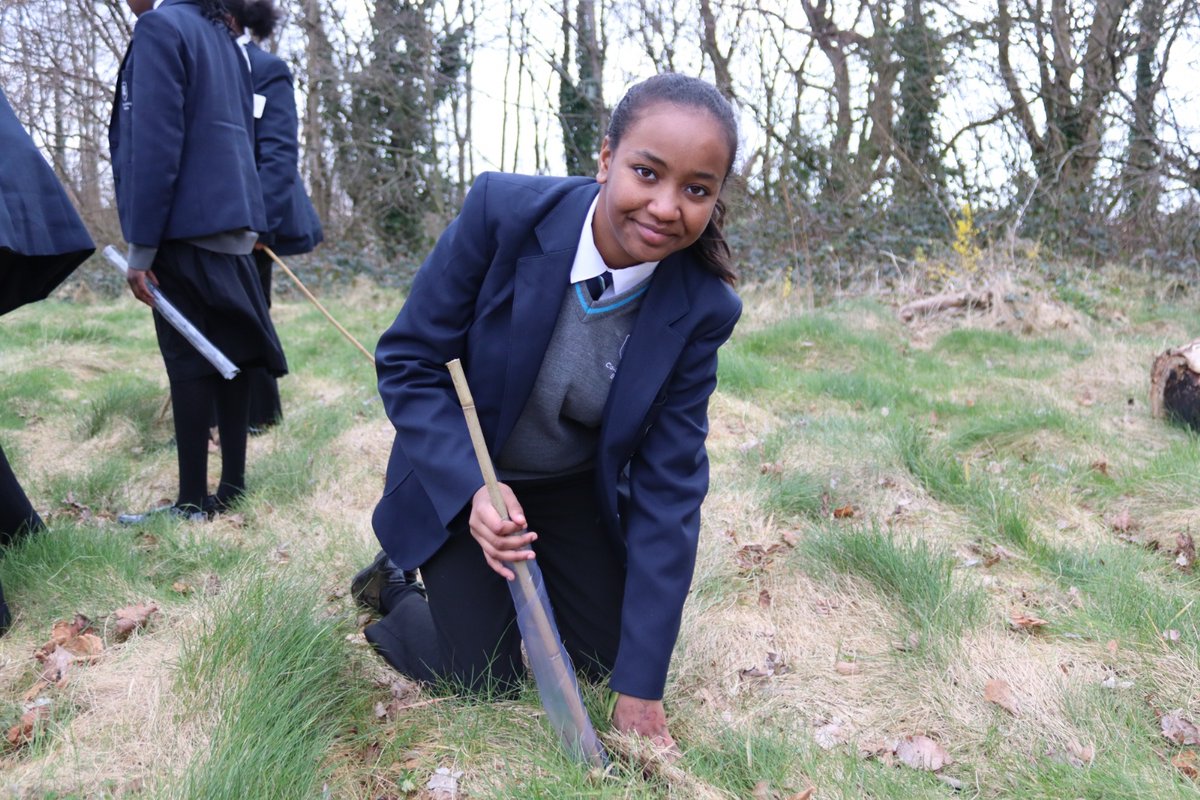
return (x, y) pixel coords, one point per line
(501, 541)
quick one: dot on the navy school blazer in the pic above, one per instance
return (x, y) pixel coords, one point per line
(292, 224)
(180, 132)
(42, 238)
(490, 293)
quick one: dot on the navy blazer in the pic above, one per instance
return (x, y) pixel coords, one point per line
(180, 133)
(490, 293)
(292, 224)
(42, 238)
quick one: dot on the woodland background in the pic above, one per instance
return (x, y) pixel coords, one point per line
(878, 134)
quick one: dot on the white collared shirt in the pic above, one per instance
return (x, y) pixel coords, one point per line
(242, 41)
(589, 263)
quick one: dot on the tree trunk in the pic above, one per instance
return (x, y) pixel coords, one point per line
(1175, 385)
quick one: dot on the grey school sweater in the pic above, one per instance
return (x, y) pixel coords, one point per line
(559, 428)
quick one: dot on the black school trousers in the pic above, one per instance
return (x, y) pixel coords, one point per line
(465, 631)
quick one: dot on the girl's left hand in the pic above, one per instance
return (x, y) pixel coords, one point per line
(645, 718)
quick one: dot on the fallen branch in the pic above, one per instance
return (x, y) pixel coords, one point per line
(943, 302)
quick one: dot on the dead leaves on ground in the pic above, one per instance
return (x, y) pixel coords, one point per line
(999, 693)
(917, 751)
(1179, 729)
(1183, 732)
(71, 643)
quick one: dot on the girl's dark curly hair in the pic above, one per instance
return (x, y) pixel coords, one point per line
(257, 16)
(214, 10)
(683, 90)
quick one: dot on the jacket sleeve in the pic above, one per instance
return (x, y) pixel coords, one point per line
(411, 357)
(159, 84)
(668, 480)
(275, 144)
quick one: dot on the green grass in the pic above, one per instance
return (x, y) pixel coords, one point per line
(75, 568)
(793, 495)
(976, 448)
(917, 575)
(277, 675)
(131, 400)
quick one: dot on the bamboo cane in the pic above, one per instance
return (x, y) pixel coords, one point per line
(580, 739)
(317, 302)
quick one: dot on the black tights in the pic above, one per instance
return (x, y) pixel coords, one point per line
(193, 401)
(16, 514)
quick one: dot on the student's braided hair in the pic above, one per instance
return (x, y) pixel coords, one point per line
(257, 16)
(214, 10)
(683, 90)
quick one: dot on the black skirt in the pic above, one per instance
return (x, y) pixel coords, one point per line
(222, 296)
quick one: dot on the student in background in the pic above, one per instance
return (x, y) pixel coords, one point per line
(42, 240)
(587, 314)
(190, 204)
(292, 224)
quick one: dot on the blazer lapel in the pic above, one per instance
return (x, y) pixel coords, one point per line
(540, 283)
(651, 353)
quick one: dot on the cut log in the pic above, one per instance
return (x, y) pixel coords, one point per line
(1175, 385)
(942, 302)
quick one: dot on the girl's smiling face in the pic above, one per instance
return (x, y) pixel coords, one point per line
(660, 184)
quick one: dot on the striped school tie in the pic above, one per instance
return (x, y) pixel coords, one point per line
(597, 284)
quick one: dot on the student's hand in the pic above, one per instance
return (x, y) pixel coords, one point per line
(645, 718)
(137, 280)
(501, 541)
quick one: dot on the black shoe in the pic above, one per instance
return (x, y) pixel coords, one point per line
(214, 505)
(372, 585)
(185, 513)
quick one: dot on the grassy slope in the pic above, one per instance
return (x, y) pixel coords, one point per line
(945, 440)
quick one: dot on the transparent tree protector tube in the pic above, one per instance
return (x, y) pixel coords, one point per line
(552, 668)
(178, 321)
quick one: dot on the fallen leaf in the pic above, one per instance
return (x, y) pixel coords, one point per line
(1000, 693)
(1122, 522)
(847, 668)
(825, 606)
(181, 588)
(1079, 755)
(764, 599)
(1188, 763)
(1185, 551)
(23, 732)
(830, 735)
(790, 538)
(1113, 682)
(755, 556)
(1112, 646)
(131, 618)
(61, 631)
(84, 646)
(57, 662)
(1171, 635)
(1026, 622)
(1179, 729)
(807, 794)
(845, 512)
(443, 785)
(921, 752)
(774, 665)
(762, 791)
(770, 468)
(1100, 466)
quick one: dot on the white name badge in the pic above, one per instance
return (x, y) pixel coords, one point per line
(260, 103)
